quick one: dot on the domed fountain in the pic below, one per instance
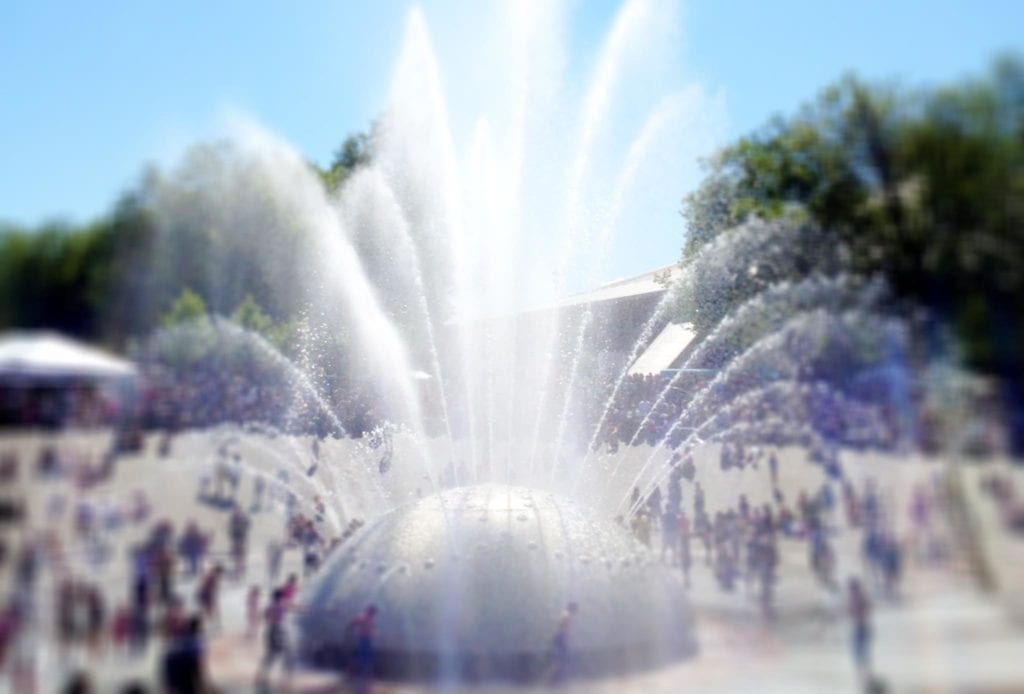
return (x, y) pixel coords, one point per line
(470, 583)
(431, 281)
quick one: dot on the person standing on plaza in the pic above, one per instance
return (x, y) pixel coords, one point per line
(685, 559)
(560, 654)
(361, 632)
(192, 546)
(238, 533)
(669, 534)
(859, 609)
(277, 645)
(184, 667)
(275, 556)
(209, 594)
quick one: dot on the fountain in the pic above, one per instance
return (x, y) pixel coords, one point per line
(493, 510)
(470, 583)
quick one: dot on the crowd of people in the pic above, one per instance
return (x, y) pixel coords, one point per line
(742, 544)
(80, 579)
(225, 389)
(650, 408)
(171, 597)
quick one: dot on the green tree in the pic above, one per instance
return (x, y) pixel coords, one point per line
(354, 152)
(250, 316)
(925, 188)
(189, 307)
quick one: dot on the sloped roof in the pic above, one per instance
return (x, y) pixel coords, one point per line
(664, 349)
(651, 282)
(49, 355)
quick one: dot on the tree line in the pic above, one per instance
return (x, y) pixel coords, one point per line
(923, 188)
(124, 275)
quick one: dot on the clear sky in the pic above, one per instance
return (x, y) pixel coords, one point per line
(93, 90)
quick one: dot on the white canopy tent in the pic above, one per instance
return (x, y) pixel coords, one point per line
(34, 357)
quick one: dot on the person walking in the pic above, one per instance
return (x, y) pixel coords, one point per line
(277, 645)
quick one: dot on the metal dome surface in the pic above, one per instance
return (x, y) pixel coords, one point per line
(472, 581)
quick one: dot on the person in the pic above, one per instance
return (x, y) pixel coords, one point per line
(689, 470)
(121, 627)
(192, 546)
(685, 559)
(669, 534)
(642, 528)
(161, 559)
(291, 590)
(822, 558)
(140, 597)
(276, 644)
(259, 489)
(560, 645)
(175, 619)
(768, 559)
(773, 469)
(920, 512)
(79, 683)
(238, 532)
(95, 617)
(859, 608)
(361, 631)
(891, 562)
(703, 527)
(275, 555)
(184, 669)
(208, 594)
(654, 503)
(311, 543)
(11, 620)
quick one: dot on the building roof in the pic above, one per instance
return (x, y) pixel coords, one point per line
(51, 356)
(664, 349)
(652, 282)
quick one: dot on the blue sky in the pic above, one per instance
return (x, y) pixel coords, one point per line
(93, 90)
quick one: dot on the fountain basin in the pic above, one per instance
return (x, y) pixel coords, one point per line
(470, 583)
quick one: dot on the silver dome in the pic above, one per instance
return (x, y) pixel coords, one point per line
(472, 581)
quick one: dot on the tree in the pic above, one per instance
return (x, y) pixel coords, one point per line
(189, 307)
(924, 188)
(250, 316)
(354, 152)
